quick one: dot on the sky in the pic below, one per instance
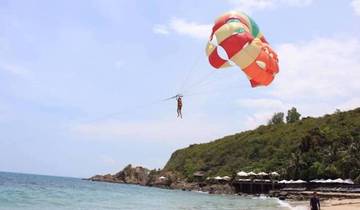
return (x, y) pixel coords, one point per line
(83, 83)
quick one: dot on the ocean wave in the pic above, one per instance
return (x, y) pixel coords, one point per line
(287, 205)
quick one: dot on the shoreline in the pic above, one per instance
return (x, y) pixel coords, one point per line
(329, 201)
(331, 204)
(333, 197)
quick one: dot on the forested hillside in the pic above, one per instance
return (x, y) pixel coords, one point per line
(324, 147)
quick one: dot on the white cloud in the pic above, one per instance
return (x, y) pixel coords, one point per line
(119, 64)
(193, 29)
(183, 27)
(160, 29)
(263, 103)
(162, 130)
(259, 118)
(264, 109)
(355, 4)
(202, 31)
(107, 160)
(316, 77)
(318, 69)
(251, 5)
(14, 69)
(3, 45)
(350, 104)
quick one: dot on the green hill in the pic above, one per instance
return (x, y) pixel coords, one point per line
(324, 147)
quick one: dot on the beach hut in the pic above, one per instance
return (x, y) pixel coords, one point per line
(210, 179)
(348, 181)
(299, 182)
(199, 176)
(262, 179)
(244, 180)
(293, 185)
(226, 178)
(289, 182)
(331, 184)
(219, 180)
(251, 173)
(242, 174)
(274, 174)
(338, 180)
(262, 174)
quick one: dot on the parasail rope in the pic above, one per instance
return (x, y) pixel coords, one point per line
(191, 70)
(124, 110)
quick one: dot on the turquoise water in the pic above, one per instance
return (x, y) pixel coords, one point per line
(24, 191)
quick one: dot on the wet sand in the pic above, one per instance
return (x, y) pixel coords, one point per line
(345, 204)
(332, 204)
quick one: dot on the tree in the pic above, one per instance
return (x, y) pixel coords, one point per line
(277, 118)
(293, 115)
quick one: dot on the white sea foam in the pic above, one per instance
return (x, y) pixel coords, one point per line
(199, 191)
(287, 205)
(262, 197)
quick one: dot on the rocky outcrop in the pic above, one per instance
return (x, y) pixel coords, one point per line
(137, 175)
(105, 178)
(164, 179)
(219, 189)
(130, 175)
(203, 187)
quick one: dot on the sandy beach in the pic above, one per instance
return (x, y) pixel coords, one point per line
(345, 204)
(333, 204)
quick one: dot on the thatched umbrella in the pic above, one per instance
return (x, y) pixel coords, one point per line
(242, 173)
(262, 174)
(251, 173)
(348, 181)
(299, 182)
(274, 173)
(226, 178)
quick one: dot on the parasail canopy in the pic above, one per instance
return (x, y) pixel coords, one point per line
(245, 46)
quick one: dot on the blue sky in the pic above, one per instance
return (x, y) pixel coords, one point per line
(82, 82)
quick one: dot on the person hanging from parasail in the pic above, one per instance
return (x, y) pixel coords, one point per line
(179, 105)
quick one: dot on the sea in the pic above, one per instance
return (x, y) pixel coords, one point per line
(38, 192)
